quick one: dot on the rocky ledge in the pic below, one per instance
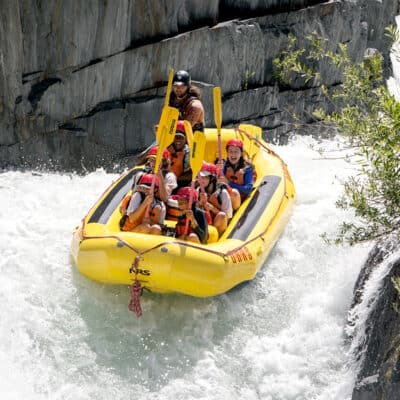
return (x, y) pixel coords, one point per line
(82, 83)
(375, 324)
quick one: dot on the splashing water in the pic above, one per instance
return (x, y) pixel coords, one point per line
(280, 336)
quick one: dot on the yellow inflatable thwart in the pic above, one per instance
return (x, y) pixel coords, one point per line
(165, 264)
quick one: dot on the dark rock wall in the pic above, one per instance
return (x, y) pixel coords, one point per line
(379, 347)
(82, 83)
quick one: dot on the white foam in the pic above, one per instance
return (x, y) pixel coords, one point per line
(279, 337)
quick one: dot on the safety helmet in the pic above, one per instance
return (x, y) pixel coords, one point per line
(181, 78)
(234, 142)
(208, 169)
(153, 152)
(184, 193)
(147, 180)
(180, 126)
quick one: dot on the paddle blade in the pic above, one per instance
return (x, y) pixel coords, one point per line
(217, 107)
(169, 87)
(189, 133)
(254, 132)
(197, 152)
(165, 132)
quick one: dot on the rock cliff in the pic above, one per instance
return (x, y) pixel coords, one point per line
(82, 83)
(375, 324)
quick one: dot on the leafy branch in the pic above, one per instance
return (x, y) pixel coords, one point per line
(368, 117)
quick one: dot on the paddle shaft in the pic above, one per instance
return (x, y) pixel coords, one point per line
(218, 117)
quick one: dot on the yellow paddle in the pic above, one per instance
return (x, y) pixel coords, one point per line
(165, 132)
(251, 134)
(167, 96)
(196, 160)
(189, 133)
(218, 117)
(169, 87)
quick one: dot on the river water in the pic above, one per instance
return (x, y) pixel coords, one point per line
(279, 337)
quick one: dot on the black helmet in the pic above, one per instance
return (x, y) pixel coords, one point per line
(181, 78)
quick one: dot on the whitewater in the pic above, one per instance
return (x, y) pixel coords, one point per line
(278, 337)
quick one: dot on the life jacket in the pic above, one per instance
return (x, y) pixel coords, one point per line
(215, 200)
(235, 176)
(124, 204)
(209, 218)
(125, 223)
(181, 225)
(177, 160)
(173, 212)
(183, 108)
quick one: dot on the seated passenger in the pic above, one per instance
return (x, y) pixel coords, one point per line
(166, 177)
(135, 219)
(180, 157)
(198, 228)
(216, 198)
(237, 172)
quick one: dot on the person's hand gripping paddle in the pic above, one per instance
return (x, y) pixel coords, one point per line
(197, 149)
(165, 134)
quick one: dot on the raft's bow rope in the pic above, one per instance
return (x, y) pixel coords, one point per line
(135, 290)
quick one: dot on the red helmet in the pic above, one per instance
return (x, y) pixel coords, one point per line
(147, 179)
(235, 142)
(208, 169)
(180, 126)
(184, 193)
(153, 152)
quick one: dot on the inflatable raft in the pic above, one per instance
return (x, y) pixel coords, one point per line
(165, 264)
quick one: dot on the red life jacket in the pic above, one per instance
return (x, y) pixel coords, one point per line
(181, 225)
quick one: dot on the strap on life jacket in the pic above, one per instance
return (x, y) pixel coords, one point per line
(181, 226)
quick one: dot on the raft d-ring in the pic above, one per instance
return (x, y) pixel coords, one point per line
(120, 243)
(226, 258)
(164, 250)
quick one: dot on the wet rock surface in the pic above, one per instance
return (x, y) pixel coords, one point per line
(82, 84)
(378, 346)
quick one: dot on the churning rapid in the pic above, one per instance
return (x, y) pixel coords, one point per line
(278, 337)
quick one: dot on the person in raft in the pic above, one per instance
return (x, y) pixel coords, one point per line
(236, 172)
(166, 177)
(135, 218)
(180, 156)
(186, 98)
(198, 228)
(214, 197)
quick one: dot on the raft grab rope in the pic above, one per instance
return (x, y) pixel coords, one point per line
(136, 289)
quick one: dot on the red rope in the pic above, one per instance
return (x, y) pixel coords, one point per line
(135, 290)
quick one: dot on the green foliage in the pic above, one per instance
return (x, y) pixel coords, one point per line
(289, 66)
(368, 116)
(396, 284)
(247, 78)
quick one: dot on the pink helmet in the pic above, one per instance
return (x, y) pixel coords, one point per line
(153, 152)
(184, 193)
(147, 179)
(180, 127)
(208, 169)
(235, 142)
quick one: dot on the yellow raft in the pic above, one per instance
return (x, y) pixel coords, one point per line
(164, 264)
